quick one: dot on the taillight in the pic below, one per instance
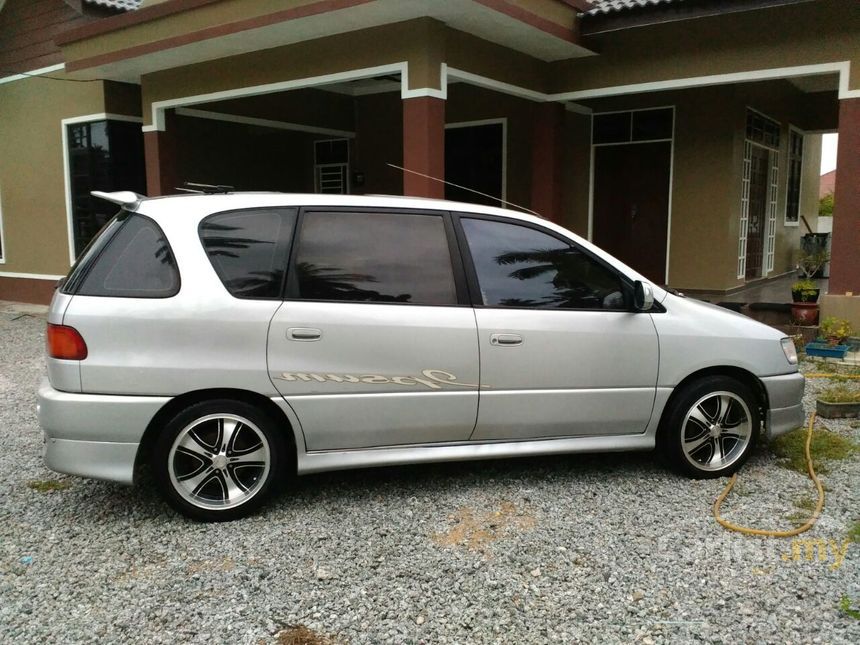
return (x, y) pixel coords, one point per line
(65, 343)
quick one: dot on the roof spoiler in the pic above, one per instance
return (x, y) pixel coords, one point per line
(126, 198)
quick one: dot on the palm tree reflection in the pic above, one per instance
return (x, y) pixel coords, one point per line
(575, 281)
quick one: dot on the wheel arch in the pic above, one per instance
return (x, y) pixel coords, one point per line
(179, 403)
(738, 373)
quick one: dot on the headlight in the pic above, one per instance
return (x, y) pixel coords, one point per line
(789, 350)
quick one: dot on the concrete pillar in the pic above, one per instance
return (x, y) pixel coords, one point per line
(424, 146)
(159, 149)
(547, 155)
(843, 299)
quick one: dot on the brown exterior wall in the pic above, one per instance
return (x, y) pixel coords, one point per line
(707, 173)
(32, 175)
(38, 292)
(29, 28)
(800, 34)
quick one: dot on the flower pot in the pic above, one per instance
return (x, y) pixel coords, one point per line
(837, 410)
(808, 295)
(825, 350)
(805, 313)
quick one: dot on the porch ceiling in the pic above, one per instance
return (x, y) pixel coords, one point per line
(510, 24)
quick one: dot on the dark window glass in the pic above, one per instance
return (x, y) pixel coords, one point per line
(107, 156)
(521, 267)
(652, 124)
(611, 128)
(375, 257)
(247, 249)
(763, 130)
(795, 171)
(136, 262)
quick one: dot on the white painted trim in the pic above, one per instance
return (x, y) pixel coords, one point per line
(158, 107)
(265, 123)
(785, 223)
(2, 237)
(578, 108)
(30, 276)
(36, 72)
(88, 118)
(503, 121)
(843, 68)
(671, 190)
(499, 86)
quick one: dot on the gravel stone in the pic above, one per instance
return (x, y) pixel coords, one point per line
(589, 548)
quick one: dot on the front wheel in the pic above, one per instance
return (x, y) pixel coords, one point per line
(710, 428)
(217, 460)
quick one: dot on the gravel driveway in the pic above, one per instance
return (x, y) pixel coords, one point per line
(607, 548)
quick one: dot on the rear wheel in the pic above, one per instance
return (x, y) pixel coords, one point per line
(711, 427)
(217, 460)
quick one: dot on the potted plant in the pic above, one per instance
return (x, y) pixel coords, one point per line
(838, 402)
(804, 292)
(833, 333)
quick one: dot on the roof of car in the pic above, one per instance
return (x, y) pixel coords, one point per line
(212, 203)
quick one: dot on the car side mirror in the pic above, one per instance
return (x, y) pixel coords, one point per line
(643, 296)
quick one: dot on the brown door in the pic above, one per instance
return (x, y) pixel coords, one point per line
(757, 211)
(631, 204)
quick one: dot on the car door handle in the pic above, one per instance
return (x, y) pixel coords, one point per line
(506, 340)
(303, 333)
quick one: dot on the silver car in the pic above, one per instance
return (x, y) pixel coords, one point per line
(227, 340)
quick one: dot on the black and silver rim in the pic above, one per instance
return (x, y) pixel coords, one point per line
(219, 461)
(716, 431)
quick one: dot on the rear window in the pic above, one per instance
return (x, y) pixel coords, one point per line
(248, 249)
(129, 259)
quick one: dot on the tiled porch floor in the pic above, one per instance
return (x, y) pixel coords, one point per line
(776, 290)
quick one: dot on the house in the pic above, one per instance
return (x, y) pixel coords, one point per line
(827, 184)
(683, 136)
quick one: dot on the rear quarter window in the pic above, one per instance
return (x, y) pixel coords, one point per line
(134, 260)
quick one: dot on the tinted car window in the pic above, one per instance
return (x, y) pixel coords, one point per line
(375, 257)
(518, 266)
(136, 262)
(247, 249)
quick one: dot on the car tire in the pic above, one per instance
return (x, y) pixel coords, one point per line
(218, 460)
(710, 428)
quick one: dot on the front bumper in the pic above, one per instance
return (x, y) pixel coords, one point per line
(785, 398)
(94, 435)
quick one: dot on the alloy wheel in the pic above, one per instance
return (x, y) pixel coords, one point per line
(219, 461)
(716, 431)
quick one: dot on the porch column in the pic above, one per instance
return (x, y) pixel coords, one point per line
(843, 299)
(424, 146)
(547, 137)
(159, 149)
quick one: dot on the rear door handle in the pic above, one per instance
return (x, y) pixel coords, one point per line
(303, 333)
(506, 340)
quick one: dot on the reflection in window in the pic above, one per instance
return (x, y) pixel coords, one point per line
(521, 267)
(375, 257)
(243, 248)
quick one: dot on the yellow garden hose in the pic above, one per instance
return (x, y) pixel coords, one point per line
(790, 533)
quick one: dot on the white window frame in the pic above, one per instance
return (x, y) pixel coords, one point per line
(802, 134)
(346, 167)
(769, 239)
(671, 141)
(2, 235)
(503, 121)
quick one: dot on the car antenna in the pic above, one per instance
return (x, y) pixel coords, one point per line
(205, 189)
(471, 190)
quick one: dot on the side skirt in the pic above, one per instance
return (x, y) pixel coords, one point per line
(315, 462)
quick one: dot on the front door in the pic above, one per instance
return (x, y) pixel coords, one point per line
(631, 204)
(375, 344)
(759, 165)
(561, 353)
